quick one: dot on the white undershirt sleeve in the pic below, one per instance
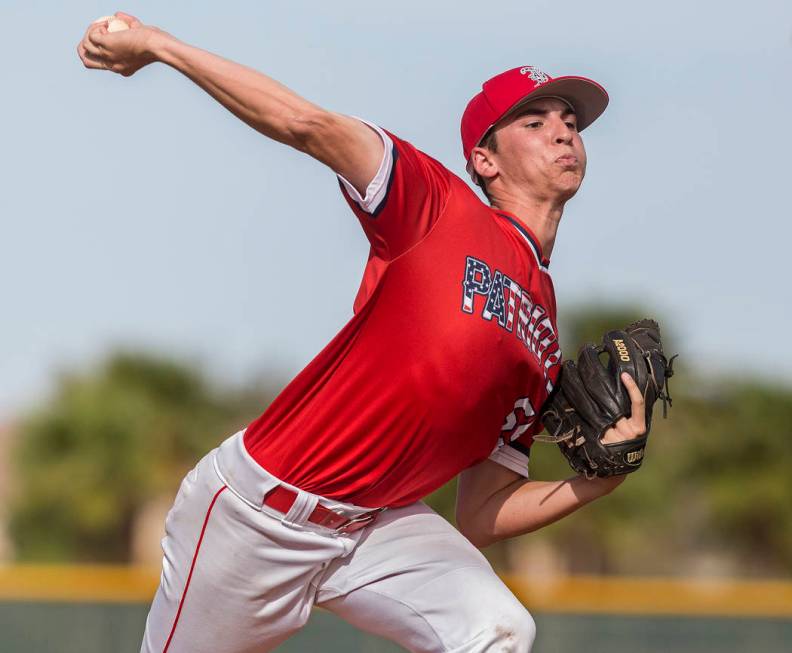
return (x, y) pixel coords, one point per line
(378, 187)
(512, 459)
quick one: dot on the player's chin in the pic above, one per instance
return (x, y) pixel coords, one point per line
(568, 183)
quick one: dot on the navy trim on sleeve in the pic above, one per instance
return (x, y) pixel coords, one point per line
(395, 155)
(521, 448)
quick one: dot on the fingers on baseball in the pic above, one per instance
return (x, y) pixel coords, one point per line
(96, 36)
(91, 57)
(94, 44)
(129, 19)
(89, 60)
(91, 49)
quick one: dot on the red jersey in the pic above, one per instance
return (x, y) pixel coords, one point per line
(450, 353)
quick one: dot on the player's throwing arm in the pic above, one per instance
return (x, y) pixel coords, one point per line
(346, 145)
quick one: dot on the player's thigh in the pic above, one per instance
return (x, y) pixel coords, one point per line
(415, 580)
(234, 579)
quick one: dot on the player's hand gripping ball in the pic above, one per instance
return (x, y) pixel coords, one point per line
(590, 397)
(114, 24)
(119, 43)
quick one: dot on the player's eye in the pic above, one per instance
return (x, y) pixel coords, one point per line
(535, 124)
(571, 125)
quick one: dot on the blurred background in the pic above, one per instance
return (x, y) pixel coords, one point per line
(166, 271)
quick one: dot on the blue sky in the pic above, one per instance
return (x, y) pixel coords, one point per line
(137, 212)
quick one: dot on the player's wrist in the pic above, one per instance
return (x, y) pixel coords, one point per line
(161, 46)
(607, 484)
(590, 489)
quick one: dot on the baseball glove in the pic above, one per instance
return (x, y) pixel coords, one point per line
(590, 397)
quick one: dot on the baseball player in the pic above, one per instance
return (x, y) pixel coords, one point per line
(442, 370)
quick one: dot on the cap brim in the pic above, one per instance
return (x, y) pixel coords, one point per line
(587, 98)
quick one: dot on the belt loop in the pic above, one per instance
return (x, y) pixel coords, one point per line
(302, 508)
(265, 487)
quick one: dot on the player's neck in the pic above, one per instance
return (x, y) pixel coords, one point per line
(542, 217)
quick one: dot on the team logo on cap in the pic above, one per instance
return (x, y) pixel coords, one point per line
(534, 74)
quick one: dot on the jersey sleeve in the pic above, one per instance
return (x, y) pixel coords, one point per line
(403, 201)
(513, 456)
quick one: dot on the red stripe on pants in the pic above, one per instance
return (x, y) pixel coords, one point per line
(192, 567)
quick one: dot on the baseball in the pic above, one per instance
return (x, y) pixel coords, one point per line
(113, 24)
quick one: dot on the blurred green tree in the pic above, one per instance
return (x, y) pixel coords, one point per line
(739, 435)
(109, 441)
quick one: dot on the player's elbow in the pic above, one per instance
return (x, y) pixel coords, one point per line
(309, 128)
(476, 531)
(480, 538)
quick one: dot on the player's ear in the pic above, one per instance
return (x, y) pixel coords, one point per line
(484, 162)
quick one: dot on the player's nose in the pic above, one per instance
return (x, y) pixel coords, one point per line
(562, 133)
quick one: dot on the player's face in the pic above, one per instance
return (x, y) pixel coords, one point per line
(539, 148)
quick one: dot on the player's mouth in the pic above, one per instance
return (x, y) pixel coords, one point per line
(567, 160)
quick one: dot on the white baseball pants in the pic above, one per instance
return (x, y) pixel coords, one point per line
(239, 577)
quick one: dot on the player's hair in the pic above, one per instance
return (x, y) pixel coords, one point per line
(489, 141)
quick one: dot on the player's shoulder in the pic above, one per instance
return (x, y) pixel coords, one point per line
(405, 148)
(415, 163)
(456, 184)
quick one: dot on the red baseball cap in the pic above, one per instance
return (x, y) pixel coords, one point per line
(503, 93)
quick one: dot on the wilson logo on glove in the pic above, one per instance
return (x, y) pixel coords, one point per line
(633, 457)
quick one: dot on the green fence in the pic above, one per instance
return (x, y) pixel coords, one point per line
(45, 627)
(102, 609)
